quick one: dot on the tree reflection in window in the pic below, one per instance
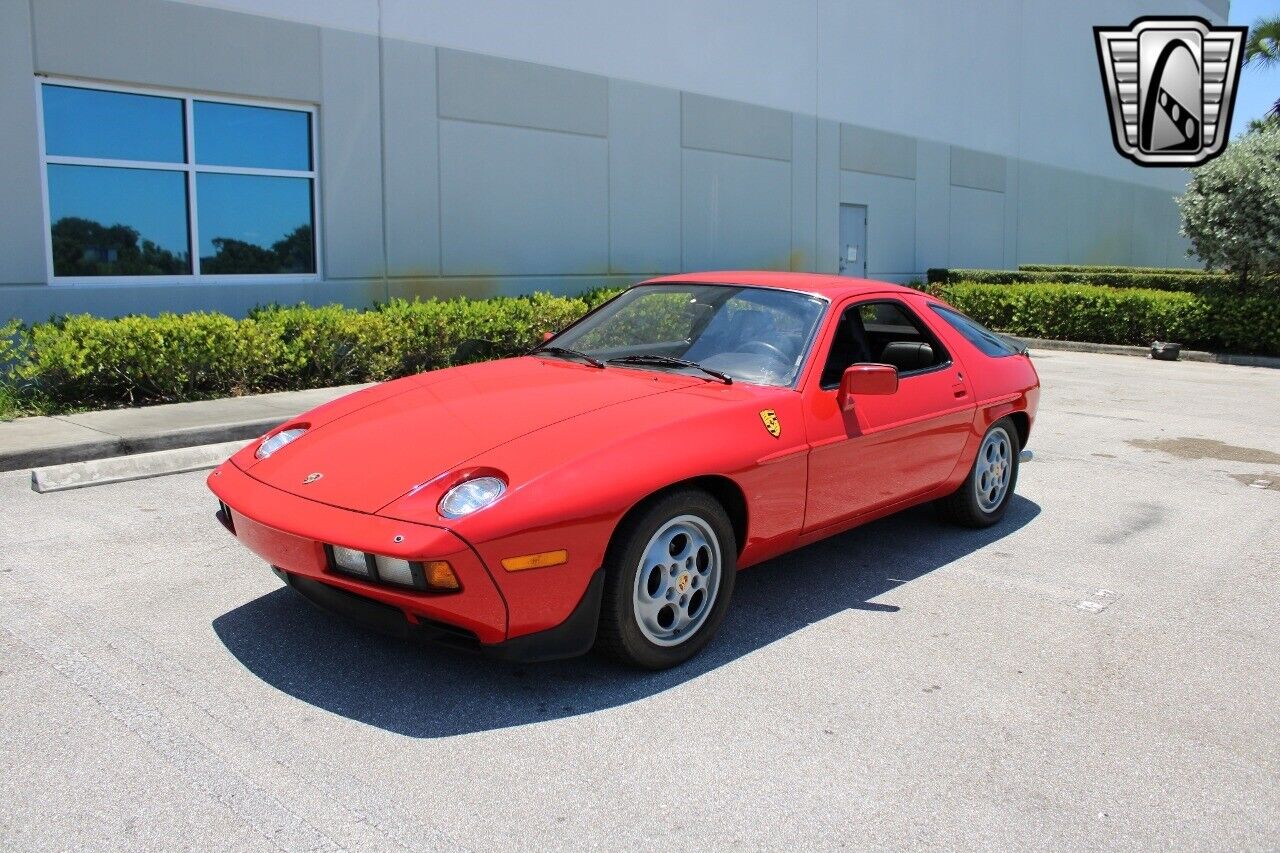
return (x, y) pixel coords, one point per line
(84, 247)
(292, 254)
(87, 248)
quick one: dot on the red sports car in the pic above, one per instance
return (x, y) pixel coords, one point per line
(604, 489)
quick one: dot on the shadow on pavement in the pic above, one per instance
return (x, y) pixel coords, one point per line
(425, 691)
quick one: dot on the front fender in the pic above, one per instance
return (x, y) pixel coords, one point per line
(571, 484)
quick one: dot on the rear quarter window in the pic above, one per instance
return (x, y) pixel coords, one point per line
(987, 341)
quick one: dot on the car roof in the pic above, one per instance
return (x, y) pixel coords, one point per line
(830, 286)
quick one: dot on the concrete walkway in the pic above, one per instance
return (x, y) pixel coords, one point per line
(31, 442)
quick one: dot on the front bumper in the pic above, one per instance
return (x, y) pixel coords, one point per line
(571, 638)
(290, 533)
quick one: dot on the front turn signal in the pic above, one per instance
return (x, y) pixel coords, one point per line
(439, 575)
(536, 561)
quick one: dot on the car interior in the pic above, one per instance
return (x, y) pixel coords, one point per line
(756, 342)
(753, 334)
(882, 333)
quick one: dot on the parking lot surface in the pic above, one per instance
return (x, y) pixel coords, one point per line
(1099, 670)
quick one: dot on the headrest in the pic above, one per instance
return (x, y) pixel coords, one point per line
(906, 355)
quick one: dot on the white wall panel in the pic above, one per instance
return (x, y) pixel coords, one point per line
(644, 178)
(1044, 195)
(977, 228)
(350, 156)
(22, 234)
(804, 193)
(933, 205)
(517, 201)
(411, 158)
(1101, 212)
(737, 211)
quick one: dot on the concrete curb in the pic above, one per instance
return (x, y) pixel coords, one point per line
(57, 439)
(138, 466)
(109, 446)
(1143, 352)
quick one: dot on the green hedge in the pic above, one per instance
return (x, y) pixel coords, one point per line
(1075, 312)
(85, 362)
(1091, 268)
(1192, 282)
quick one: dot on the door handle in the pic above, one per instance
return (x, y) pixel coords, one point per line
(959, 390)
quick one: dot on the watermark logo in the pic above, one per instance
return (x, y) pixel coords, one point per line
(1170, 85)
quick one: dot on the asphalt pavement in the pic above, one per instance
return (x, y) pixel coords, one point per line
(1099, 670)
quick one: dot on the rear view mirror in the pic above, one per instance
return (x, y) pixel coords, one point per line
(546, 336)
(866, 379)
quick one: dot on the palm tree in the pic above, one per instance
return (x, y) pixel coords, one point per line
(1262, 50)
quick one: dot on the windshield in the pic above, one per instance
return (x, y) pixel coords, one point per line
(752, 334)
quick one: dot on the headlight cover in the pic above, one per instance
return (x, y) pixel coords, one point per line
(277, 441)
(466, 498)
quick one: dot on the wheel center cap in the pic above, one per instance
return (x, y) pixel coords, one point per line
(683, 583)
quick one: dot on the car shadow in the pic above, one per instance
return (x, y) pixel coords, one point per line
(427, 691)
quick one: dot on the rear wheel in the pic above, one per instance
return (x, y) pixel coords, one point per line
(984, 496)
(669, 575)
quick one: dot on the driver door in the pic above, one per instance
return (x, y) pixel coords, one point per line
(891, 447)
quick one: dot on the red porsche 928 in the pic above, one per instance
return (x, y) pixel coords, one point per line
(604, 489)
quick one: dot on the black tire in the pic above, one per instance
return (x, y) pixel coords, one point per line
(620, 635)
(963, 505)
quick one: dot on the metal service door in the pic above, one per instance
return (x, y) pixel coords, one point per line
(853, 240)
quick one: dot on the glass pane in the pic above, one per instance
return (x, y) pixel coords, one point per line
(754, 334)
(987, 341)
(259, 137)
(253, 224)
(109, 221)
(115, 125)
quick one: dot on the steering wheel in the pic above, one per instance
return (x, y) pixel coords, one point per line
(764, 348)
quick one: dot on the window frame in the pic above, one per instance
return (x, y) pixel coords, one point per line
(191, 170)
(921, 324)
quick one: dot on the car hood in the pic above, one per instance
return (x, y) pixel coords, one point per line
(369, 457)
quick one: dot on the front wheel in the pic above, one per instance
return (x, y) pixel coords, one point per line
(669, 575)
(984, 496)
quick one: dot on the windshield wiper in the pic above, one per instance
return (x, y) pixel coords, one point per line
(572, 353)
(668, 361)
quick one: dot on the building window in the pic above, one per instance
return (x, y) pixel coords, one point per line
(150, 184)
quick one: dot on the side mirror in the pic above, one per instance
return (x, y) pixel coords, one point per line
(546, 336)
(866, 379)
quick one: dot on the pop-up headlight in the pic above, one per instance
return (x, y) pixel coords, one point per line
(466, 498)
(277, 441)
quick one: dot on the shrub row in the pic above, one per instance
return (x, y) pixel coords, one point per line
(85, 362)
(1075, 312)
(1192, 282)
(1091, 268)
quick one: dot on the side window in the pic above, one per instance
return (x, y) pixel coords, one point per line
(885, 332)
(987, 341)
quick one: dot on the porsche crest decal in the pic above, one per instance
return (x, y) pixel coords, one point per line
(771, 422)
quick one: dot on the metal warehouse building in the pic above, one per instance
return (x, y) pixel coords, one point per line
(162, 155)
